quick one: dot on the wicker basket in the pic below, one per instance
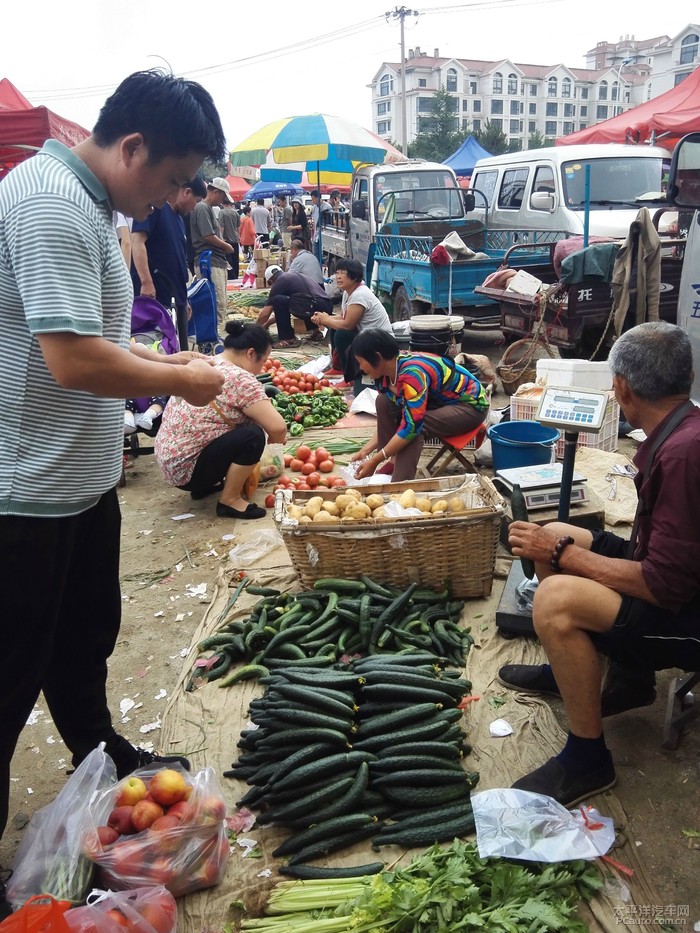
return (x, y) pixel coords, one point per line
(459, 547)
(518, 364)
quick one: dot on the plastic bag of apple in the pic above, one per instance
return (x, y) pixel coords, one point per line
(163, 826)
(143, 910)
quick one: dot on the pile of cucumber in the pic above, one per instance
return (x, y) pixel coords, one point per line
(371, 751)
(337, 618)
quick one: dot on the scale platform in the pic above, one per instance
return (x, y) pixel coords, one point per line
(541, 485)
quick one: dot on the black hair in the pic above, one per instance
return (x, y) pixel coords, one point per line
(175, 117)
(297, 244)
(198, 186)
(242, 335)
(261, 201)
(354, 269)
(315, 193)
(375, 344)
(335, 193)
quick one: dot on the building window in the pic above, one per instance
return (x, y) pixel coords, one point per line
(532, 126)
(689, 49)
(584, 110)
(451, 83)
(425, 104)
(533, 90)
(550, 128)
(512, 83)
(568, 128)
(603, 90)
(514, 109)
(584, 93)
(497, 85)
(566, 87)
(386, 85)
(551, 109)
(476, 126)
(583, 126)
(422, 82)
(465, 125)
(515, 126)
(680, 78)
(497, 124)
(614, 90)
(496, 106)
(465, 105)
(569, 110)
(532, 109)
(472, 87)
(552, 87)
(601, 113)
(477, 106)
(384, 126)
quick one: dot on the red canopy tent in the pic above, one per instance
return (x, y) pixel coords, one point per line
(661, 121)
(24, 129)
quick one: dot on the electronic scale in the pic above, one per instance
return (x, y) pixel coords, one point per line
(572, 410)
(541, 485)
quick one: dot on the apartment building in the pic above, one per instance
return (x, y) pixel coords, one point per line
(521, 99)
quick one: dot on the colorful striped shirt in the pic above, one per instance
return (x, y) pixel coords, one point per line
(426, 381)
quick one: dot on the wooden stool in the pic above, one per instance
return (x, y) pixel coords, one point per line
(452, 448)
(680, 709)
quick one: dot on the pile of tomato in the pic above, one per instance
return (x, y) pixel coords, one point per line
(314, 466)
(292, 381)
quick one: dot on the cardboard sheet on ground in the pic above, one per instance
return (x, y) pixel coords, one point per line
(205, 724)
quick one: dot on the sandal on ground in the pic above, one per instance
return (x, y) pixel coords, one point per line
(252, 511)
(316, 336)
(283, 344)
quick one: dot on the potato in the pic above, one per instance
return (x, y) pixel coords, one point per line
(424, 504)
(293, 511)
(407, 499)
(359, 511)
(305, 520)
(455, 504)
(332, 507)
(440, 505)
(355, 493)
(323, 516)
(375, 501)
(344, 500)
(379, 513)
(313, 506)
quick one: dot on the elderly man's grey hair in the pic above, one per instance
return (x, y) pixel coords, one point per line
(656, 359)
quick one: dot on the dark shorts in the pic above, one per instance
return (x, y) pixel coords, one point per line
(646, 636)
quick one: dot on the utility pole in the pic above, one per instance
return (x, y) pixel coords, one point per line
(400, 14)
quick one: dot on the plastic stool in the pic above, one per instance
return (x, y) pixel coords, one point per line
(452, 448)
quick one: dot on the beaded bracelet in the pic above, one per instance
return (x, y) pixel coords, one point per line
(558, 551)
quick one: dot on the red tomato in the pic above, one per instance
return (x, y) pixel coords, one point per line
(269, 501)
(276, 381)
(322, 454)
(313, 479)
(293, 390)
(280, 486)
(117, 917)
(324, 382)
(336, 481)
(324, 481)
(313, 460)
(303, 452)
(307, 468)
(303, 486)
(296, 465)
(326, 466)
(288, 459)
(283, 480)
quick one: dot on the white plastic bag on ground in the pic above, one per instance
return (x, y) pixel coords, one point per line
(257, 546)
(272, 461)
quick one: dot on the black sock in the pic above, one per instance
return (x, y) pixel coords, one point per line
(581, 756)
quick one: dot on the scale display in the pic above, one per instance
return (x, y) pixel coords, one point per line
(572, 409)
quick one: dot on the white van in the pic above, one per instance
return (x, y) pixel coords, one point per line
(545, 189)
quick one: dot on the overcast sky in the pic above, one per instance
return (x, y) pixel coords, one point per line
(282, 58)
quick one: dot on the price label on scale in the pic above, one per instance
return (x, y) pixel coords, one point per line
(572, 409)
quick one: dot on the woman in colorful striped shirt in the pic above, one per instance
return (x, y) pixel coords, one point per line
(419, 394)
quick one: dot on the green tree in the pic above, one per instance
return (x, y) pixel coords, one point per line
(438, 129)
(535, 140)
(492, 138)
(211, 170)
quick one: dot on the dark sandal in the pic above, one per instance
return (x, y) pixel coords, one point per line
(252, 511)
(284, 344)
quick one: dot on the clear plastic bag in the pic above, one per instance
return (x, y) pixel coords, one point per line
(143, 910)
(50, 858)
(512, 823)
(184, 857)
(272, 461)
(255, 548)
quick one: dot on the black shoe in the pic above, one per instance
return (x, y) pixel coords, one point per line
(529, 678)
(554, 781)
(252, 511)
(5, 907)
(145, 759)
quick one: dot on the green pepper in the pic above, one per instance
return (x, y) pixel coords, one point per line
(296, 429)
(310, 421)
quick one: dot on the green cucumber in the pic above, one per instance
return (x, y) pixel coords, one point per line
(324, 847)
(337, 585)
(315, 699)
(390, 613)
(413, 695)
(248, 672)
(320, 830)
(407, 659)
(413, 763)
(412, 795)
(422, 777)
(424, 730)
(300, 717)
(355, 798)
(424, 836)
(306, 736)
(308, 803)
(312, 872)
(431, 749)
(332, 680)
(428, 816)
(262, 590)
(301, 757)
(396, 720)
(329, 765)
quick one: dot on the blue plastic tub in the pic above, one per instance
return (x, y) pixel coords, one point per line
(520, 444)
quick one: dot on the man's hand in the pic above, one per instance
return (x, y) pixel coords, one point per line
(186, 356)
(148, 289)
(263, 318)
(204, 383)
(321, 319)
(529, 540)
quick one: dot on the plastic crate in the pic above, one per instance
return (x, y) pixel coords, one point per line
(524, 408)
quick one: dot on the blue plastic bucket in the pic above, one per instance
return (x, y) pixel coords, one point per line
(520, 444)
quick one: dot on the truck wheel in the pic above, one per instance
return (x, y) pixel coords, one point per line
(403, 307)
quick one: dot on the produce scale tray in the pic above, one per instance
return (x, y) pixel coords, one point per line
(457, 547)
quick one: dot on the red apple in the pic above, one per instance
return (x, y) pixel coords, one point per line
(117, 917)
(120, 819)
(167, 786)
(145, 813)
(130, 791)
(211, 810)
(107, 835)
(178, 809)
(164, 823)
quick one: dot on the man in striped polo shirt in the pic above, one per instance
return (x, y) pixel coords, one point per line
(65, 370)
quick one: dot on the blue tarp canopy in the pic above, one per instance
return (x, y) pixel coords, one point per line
(273, 189)
(465, 158)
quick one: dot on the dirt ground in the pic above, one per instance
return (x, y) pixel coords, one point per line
(169, 570)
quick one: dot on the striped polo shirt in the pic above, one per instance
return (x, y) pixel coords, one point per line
(61, 270)
(427, 381)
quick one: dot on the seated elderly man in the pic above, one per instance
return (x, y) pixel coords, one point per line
(360, 310)
(304, 262)
(637, 602)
